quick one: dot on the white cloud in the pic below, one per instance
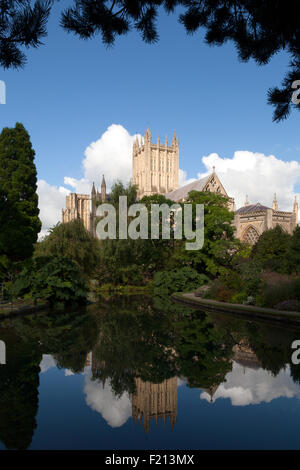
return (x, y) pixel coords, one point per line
(115, 411)
(245, 386)
(183, 180)
(110, 155)
(51, 201)
(258, 175)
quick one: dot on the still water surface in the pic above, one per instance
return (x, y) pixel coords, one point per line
(147, 374)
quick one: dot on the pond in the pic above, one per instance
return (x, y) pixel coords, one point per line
(139, 373)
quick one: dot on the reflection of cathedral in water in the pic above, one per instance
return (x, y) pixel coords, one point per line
(245, 356)
(150, 401)
(155, 402)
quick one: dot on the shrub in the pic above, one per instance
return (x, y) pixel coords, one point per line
(178, 280)
(55, 279)
(274, 294)
(219, 291)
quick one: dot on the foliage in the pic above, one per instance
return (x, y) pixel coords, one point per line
(274, 294)
(294, 251)
(219, 242)
(22, 23)
(271, 250)
(132, 261)
(19, 211)
(119, 189)
(73, 241)
(178, 280)
(56, 279)
(19, 382)
(203, 351)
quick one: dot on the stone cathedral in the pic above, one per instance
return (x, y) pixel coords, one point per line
(155, 167)
(155, 170)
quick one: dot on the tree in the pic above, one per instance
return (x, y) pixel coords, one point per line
(294, 251)
(21, 24)
(271, 250)
(19, 211)
(220, 246)
(73, 241)
(258, 29)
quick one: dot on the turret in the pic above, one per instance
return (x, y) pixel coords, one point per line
(93, 191)
(295, 209)
(103, 190)
(275, 203)
(147, 138)
(174, 140)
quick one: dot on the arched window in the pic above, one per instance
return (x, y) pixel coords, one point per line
(250, 235)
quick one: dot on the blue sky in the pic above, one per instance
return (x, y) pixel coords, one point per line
(71, 91)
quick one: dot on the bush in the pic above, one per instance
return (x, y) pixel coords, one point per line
(219, 291)
(178, 280)
(55, 279)
(274, 294)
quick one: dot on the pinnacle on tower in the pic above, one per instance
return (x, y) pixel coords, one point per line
(174, 140)
(247, 202)
(103, 190)
(275, 203)
(147, 135)
(93, 190)
(296, 205)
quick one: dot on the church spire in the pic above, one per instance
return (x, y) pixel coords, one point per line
(93, 190)
(275, 203)
(103, 189)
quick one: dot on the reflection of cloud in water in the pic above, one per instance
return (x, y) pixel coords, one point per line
(250, 386)
(47, 362)
(68, 372)
(115, 411)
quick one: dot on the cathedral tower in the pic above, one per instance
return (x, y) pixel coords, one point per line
(155, 167)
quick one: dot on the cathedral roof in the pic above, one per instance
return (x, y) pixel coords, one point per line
(182, 193)
(252, 208)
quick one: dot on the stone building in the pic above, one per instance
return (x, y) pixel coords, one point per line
(155, 167)
(155, 170)
(83, 206)
(252, 220)
(210, 183)
(78, 206)
(155, 402)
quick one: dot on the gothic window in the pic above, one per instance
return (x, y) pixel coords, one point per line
(250, 235)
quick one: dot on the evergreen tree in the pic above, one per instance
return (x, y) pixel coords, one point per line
(294, 251)
(19, 211)
(272, 250)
